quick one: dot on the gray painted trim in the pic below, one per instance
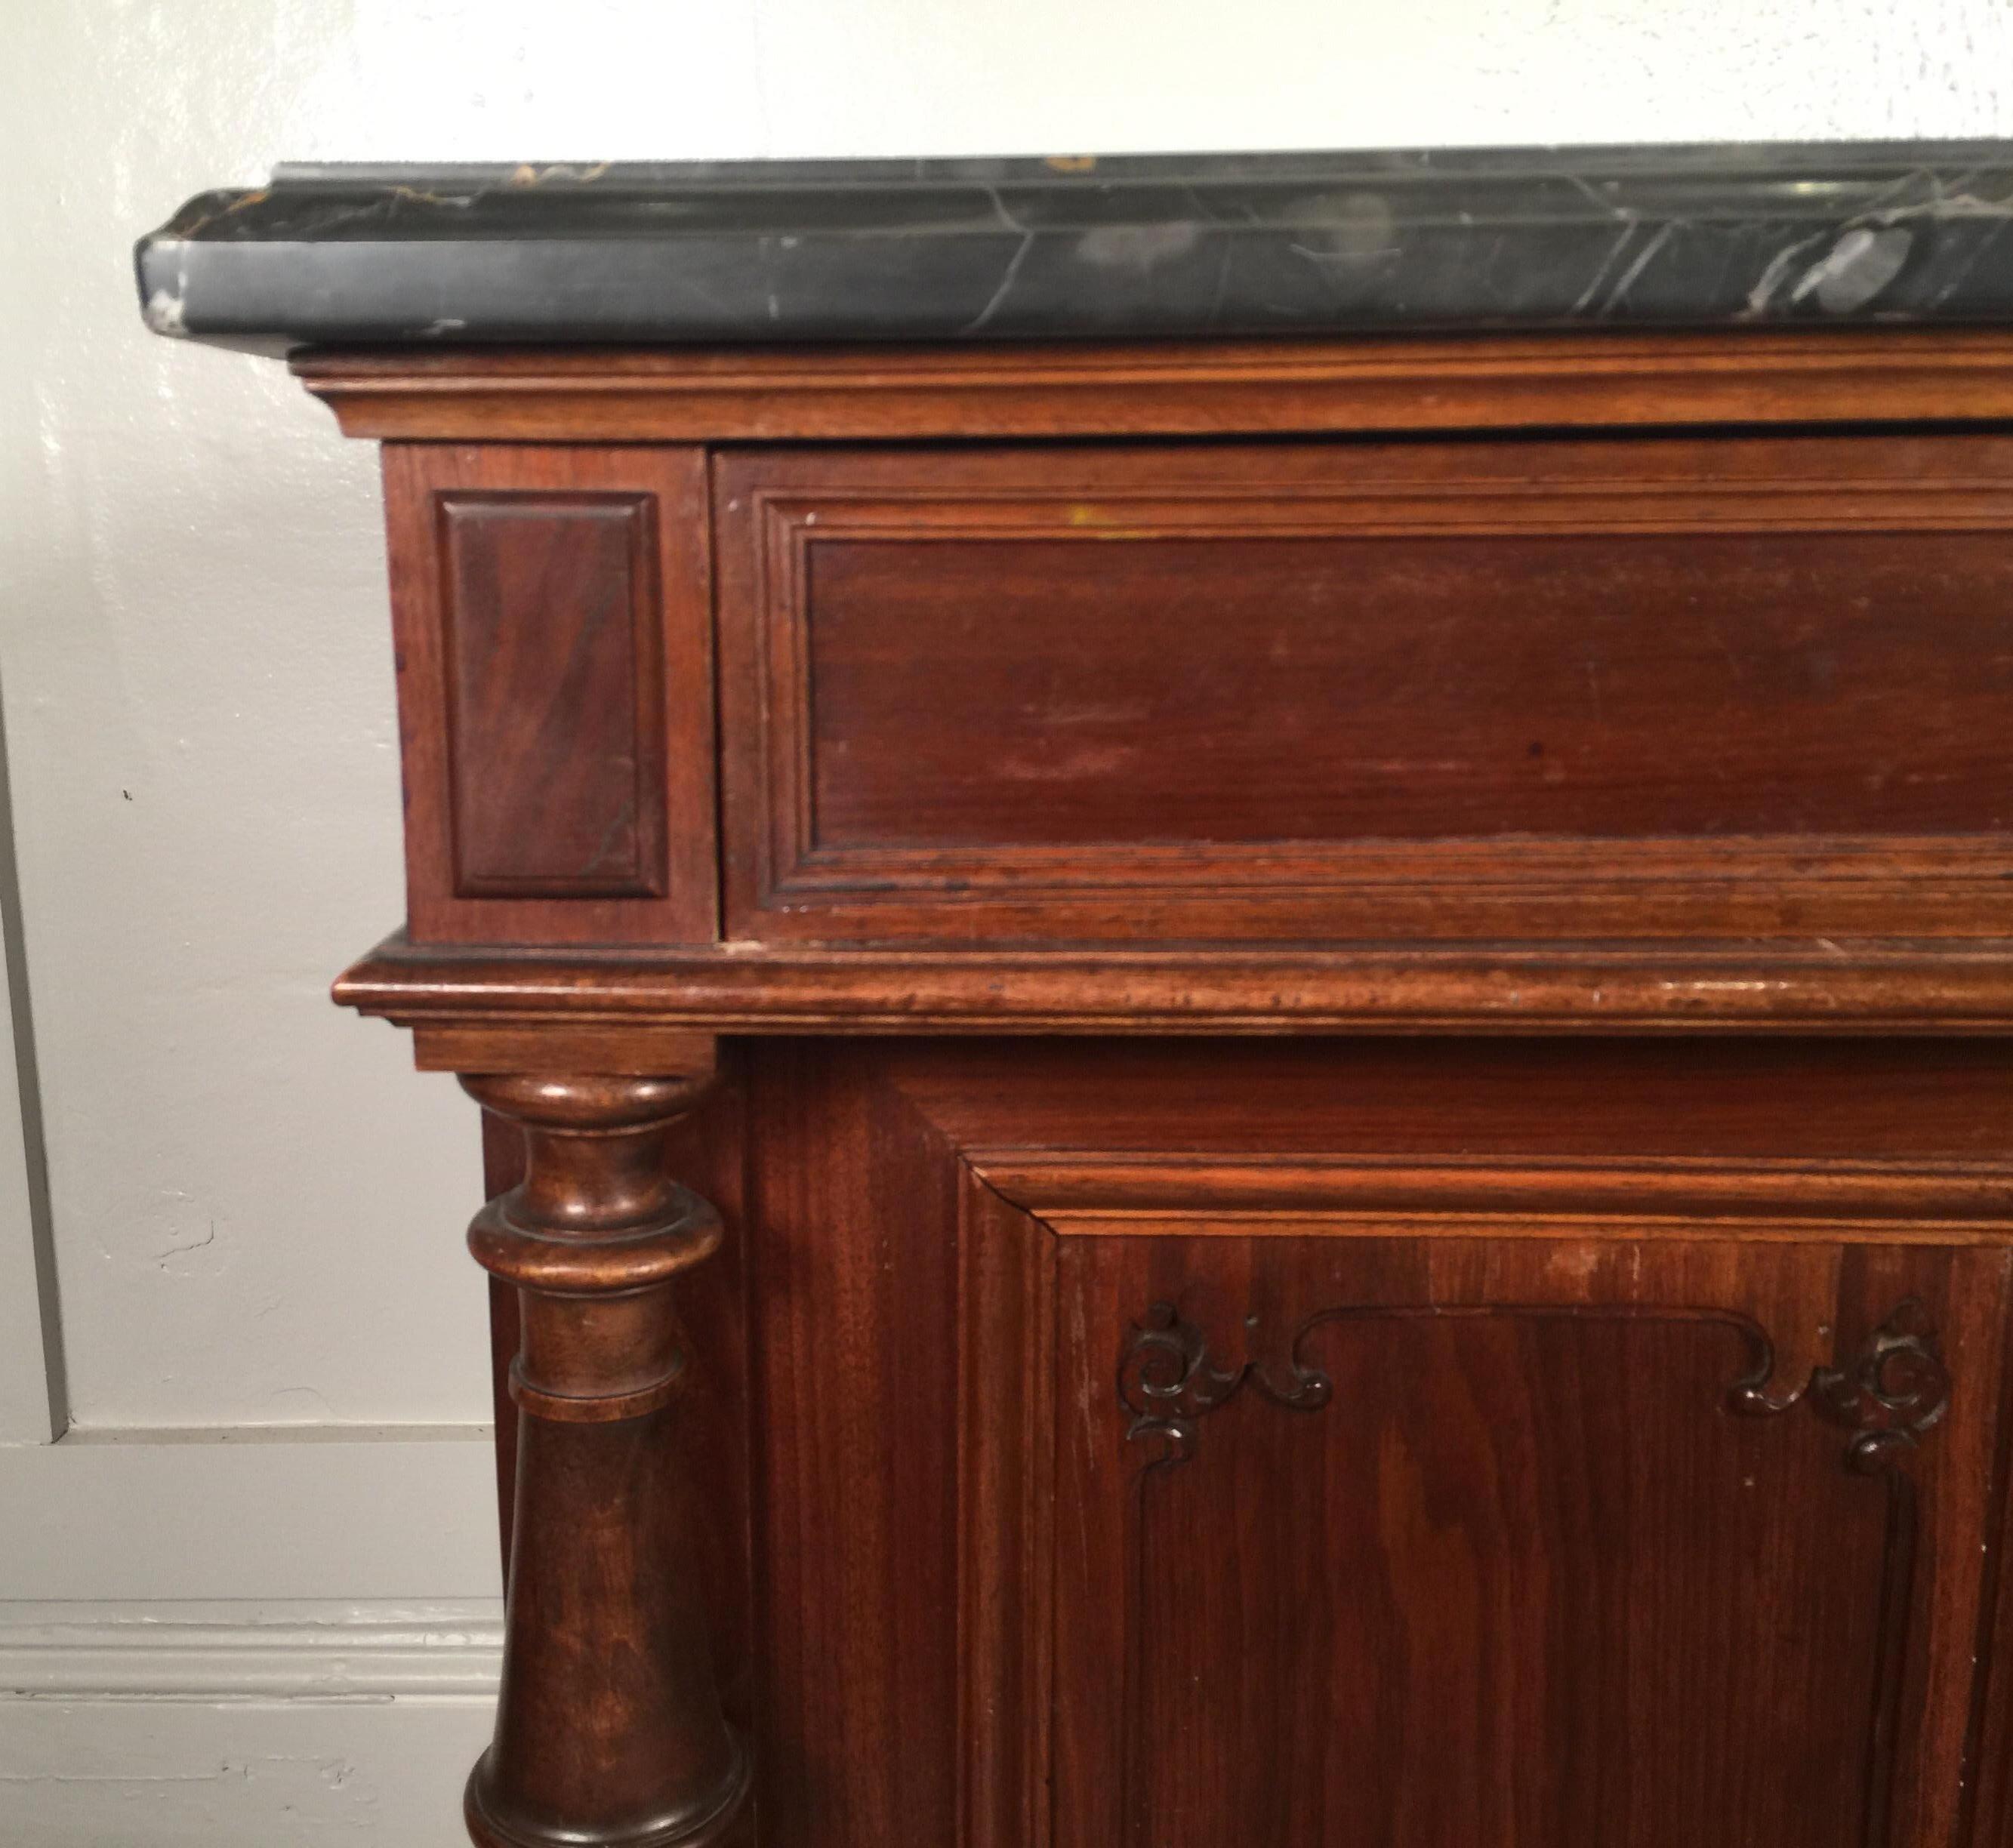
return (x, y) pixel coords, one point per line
(221, 1652)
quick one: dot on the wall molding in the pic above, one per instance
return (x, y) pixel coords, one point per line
(291, 1652)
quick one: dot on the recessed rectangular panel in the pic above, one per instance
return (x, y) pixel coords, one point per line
(555, 719)
(1436, 1540)
(1569, 687)
(552, 611)
(1056, 687)
(1548, 1444)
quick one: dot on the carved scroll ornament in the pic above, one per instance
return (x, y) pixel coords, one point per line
(1888, 1394)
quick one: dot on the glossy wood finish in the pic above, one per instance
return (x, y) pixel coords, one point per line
(555, 693)
(1571, 1407)
(602, 1596)
(1221, 692)
(553, 665)
(502, 1168)
(1064, 388)
(1577, 1544)
(1158, 661)
(474, 1004)
(1547, 1493)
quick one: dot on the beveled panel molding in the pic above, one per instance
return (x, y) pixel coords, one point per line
(1229, 694)
(554, 629)
(551, 611)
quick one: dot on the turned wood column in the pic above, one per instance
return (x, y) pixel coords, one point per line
(608, 1728)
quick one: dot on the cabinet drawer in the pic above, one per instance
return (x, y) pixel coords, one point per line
(1511, 688)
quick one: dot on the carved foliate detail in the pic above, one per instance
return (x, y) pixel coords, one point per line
(1890, 1393)
(1166, 1381)
(1887, 1395)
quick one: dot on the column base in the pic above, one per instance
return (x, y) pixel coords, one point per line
(724, 1825)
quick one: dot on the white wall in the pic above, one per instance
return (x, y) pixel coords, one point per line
(254, 1206)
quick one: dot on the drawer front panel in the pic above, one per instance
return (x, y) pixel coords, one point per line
(1018, 692)
(1463, 689)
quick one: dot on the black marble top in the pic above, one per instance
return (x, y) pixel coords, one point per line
(1133, 246)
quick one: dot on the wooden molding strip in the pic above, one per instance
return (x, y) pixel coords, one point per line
(1938, 1202)
(1943, 986)
(1195, 388)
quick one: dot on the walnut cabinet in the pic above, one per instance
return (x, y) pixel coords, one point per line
(1237, 1095)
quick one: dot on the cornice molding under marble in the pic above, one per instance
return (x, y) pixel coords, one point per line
(1142, 246)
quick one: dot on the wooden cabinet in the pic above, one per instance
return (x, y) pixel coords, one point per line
(1347, 1040)
(1346, 1441)
(1238, 934)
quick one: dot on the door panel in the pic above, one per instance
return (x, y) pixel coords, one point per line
(1416, 1541)
(1421, 1446)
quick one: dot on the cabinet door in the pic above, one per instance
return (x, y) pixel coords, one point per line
(1379, 1444)
(1415, 1540)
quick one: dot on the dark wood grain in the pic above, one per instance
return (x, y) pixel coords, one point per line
(1494, 1328)
(1193, 690)
(556, 692)
(853, 1199)
(502, 1168)
(1531, 1570)
(1506, 1108)
(1064, 388)
(554, 659)
(642, 1000)
(608, 1726)
(1668, 689)
(705, 1148)
(1510, 1563)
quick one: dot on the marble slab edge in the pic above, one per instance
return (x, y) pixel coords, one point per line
(1167, 246)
